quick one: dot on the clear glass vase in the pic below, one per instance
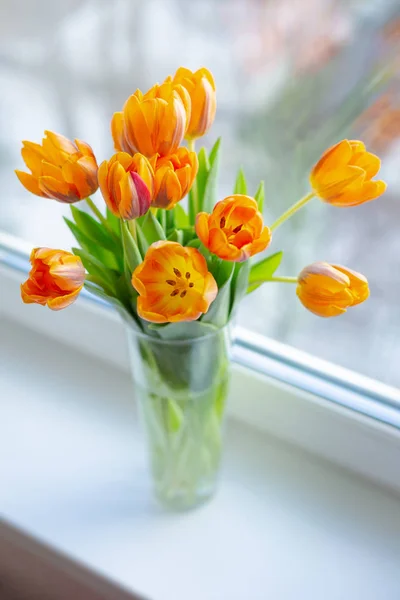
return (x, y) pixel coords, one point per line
(181, 388)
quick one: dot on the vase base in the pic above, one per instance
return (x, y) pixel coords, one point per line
(181, 500)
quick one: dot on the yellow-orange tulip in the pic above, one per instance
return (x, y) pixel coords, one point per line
(234, 230)
(174, 176)
(173, 283)
(56, 278)
(329, 290)
(60, 169)
(343, 175)
(153, 123)
(127, 184)
(201, 87)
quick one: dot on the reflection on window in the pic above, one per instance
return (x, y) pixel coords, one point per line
(293, 77)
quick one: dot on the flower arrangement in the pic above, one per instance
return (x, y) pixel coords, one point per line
(177, 275)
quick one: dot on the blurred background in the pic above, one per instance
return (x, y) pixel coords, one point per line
(293, 77)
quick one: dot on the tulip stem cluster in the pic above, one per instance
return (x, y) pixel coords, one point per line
(286, 215)
(194, 190)
(99, 215)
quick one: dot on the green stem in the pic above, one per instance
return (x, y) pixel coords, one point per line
(276, 279)
(194, 190)
(100, 217)
(286, 215)
(132, 229)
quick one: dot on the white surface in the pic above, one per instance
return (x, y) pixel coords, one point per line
(284, 526)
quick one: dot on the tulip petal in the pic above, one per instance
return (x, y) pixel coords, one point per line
(30, 183)
(63, 301)
(202, 228)
(60, 142)
(117, 131)
(335, 157)
(367, 161)
(32, 155)
(58, 190)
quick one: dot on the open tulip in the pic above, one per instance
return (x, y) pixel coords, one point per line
(343, 175)
(329, 290)
(60, 169)
(152, 123)
(127, 184)
(173, 284)
(201, 87)
(174, 176)
(55, 280)
(234, 230)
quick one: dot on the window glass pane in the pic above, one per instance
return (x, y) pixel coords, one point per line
(292, 77)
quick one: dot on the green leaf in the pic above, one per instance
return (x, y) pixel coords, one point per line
(162, 218)
(240, 184)
(152, 229)
(97, 268)
(259, 197)
(132, 256)
(109, 259)
(218, 313)
(141, 240)
(202, 175)
(195, 243)
(263, 270)
(92, 229)
(183, 331)
(240, 281)
(210, 191)
(113, 221)
(181, 218)
(176, 235)
(170, 220)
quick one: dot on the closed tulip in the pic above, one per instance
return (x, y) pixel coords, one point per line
(343, 175)
(329, 290)
(173, 284)
(55, 280)
(201, 87)
(127, 184)
(60, 169)
(173, 177)
(235, 230)
(152, 123)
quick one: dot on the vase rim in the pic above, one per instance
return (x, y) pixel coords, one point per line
(218, 330)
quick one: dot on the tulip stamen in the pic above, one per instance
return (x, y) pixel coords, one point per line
(177, 272)
(174, 293)
(237, 229)
(187, 275)
(171, 282)
(191, 284)
(183, 294)
(222, 222)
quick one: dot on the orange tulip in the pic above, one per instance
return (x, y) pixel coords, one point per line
(173, 284)
(329, 290)
(201, 88)
(234, 230)
(153, 123)
(343, 175)
(127, 184)
(60, 169)
(56, 278)
(174, 176)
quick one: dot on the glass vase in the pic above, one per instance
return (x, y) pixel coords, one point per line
(181, 388)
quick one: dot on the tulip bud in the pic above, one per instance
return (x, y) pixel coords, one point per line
(173, 177)
(343, 175)
(60, 169)
(152, 123)
(55, 280)
(201, 87)
(329, 290)
(127, 184)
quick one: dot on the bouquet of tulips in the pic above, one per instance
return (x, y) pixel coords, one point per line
(176, 273)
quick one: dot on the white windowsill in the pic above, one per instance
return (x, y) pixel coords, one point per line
(284, 525)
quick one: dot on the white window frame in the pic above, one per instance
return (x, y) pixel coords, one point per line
(350, 419)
